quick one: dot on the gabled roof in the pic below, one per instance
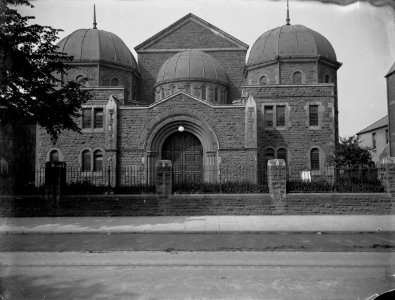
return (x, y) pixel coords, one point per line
(392, 70)
(383, 122)
(188, 18)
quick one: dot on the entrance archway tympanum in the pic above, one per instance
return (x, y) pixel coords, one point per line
(186, 154)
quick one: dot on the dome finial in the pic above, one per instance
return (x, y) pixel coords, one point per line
(288, 19)
(94, 17)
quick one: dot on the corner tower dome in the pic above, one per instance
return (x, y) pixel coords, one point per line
(93, 45)
(191, 65)
(290, 41)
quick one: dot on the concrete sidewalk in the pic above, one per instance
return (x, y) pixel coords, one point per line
(195, 224)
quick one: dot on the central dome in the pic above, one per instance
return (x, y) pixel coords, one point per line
(290, 41)
(191, 65)
(92, 45)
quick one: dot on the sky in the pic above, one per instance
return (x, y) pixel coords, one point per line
(361, 32)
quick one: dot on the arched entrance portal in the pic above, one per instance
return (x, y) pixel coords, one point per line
(186, 154)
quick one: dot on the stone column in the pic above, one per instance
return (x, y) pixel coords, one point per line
(210, 169)
(111, 145)
(277, 180)
(251, 139)
(389, 175)
(149, 167)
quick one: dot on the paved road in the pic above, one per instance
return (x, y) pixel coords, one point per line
(198, 242)
(195, 275)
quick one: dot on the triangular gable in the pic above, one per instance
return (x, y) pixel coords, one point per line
(191, 32)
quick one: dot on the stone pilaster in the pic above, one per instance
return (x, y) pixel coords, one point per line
(251, 139)
(111, 145)
(277, 180)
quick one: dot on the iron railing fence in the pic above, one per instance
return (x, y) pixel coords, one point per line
(225, 178)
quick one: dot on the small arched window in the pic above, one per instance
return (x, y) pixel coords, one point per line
(327, 78)
(297, 78)
(162, 93)
(97, 161)
(282, 154)
(204, 92)
(79, 78)
(86, 161)
(263, 80)
(314, 159)
(173, 89)
(269, 154)
(114, 82)
(223, 93)
(188, 89)
(54, 155)
(216, 94)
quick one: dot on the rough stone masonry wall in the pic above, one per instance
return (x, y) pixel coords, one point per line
(195, 205)
(136, 123)
(72, 143)
(190, 36)
(296, 137)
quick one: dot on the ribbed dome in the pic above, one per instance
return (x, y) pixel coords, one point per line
(290, 41)
(191, 65)
(93, 45)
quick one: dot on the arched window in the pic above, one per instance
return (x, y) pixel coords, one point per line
(269, 154)
(297, 78)
(79, 78)
(54, 155)
(188, 89)
(114, 82)
(282, 154)
(97, 161)
(223, 93)
(315, 159)
(263, 80)
(173, 89)
(327, 78)
(162, 93)
(86, 161)
(216, 94)
(204, 92)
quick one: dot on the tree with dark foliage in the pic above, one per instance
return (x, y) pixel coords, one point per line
(30, 64)
(351, 154)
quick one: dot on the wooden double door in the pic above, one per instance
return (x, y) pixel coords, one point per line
(186, 154)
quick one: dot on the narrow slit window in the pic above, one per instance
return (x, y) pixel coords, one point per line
(86, 161)
(98, 161)
(204, 92)
(314, 159)
(280, 116)
(98, 118)
(313, 115)
(268, 116)
(86, 118)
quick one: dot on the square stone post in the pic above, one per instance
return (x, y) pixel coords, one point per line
(389, 175)
(277, 181)
(163, 180)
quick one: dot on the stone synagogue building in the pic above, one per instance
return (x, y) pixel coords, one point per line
(193, 97)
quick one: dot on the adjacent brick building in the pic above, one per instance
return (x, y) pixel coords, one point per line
(193, 99)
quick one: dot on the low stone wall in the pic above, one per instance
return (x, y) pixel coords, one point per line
(194, 205)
